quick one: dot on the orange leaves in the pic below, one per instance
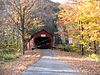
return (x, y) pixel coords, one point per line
(67, 14)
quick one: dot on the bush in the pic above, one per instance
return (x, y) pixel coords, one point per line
(9, 56)
(7, 49)
(2, 46)
(10, 50)
(4, 57)
(59, 46)
(1, 57)
(94, 56)
(68, 48)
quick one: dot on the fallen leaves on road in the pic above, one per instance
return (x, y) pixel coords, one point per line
(21, 64)
(84, 64)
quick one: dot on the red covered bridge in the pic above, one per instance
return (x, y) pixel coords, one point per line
(41, 39)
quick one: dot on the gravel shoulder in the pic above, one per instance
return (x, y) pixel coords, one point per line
(84, 64)
(20, 64)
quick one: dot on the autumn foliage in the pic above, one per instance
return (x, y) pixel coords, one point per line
(82, 21)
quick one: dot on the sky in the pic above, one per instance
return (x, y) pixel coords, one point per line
(60, 1)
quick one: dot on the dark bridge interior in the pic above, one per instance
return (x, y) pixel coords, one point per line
(43, 42)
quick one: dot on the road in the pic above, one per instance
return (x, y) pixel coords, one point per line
(49, 65)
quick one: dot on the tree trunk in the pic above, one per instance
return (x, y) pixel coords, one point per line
(82, 49)
(17, 43)
(95, 49)
(82, 45)
(23, 34)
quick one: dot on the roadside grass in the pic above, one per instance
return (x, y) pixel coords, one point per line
(8, 53)
(4, 58)
(94, 56)
(87, 52)
(17, 63)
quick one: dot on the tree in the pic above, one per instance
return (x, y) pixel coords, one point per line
(20, 12)
(82, 20)
(89, 21)
(66, 19)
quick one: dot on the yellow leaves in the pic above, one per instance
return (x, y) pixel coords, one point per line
(86, 14)
(93, 26)
(89, 10)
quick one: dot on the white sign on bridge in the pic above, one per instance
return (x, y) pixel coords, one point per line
(43, 35)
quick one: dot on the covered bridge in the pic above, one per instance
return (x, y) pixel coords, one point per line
(41, 39)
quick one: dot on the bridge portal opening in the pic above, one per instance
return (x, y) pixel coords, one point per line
(43, 42)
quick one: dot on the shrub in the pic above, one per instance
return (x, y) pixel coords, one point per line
(9, 56)
(94, 56)
(2, 46)
(4, 57)
(68, 48)
(10, 50)
(59, 46)
(1, 57)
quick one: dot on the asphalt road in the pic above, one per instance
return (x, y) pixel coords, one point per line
(49, 65)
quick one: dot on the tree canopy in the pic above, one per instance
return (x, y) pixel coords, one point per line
(82, 21)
